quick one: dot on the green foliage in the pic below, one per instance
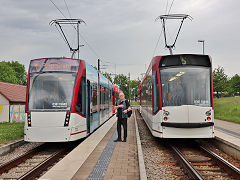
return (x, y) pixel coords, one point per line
(134, 85)
(13, 72)
(7, 73)
(234, 85)
(122, 81)
(227, 109)
(20, 72)
(108, 76)
(11, 131)
(219, 81)
(135, 103)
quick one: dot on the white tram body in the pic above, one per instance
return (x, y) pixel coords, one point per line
(66, 100)
(177, 97)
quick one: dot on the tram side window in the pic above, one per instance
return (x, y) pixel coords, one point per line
(101, 98)
(113, 97)
(106, 97)
(105, 100)
(94, 102)
(80, 107)
(156, 93)
(109, 98)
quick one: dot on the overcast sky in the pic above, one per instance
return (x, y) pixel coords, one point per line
(122, 32)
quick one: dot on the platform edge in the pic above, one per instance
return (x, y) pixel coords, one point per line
(142, 169)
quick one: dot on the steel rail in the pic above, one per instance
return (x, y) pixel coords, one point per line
(185, 164)
(227, 166)
(18, 160)
(37, 170)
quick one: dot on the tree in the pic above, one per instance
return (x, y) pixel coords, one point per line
(219, 81)
(20, 72)
(7, 73)
(13, 72)
(122, 81)
(107, 75)
(134, 84)
(234, 85)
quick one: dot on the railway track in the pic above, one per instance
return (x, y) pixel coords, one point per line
(194, 160)
(200, 162)
(31, 164)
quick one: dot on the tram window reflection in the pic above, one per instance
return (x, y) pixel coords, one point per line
(51, 91)
(185, 86)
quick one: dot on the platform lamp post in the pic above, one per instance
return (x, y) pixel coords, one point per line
(202, 41)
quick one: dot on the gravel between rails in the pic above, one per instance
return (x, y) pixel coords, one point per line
(159, 162)
(44, 152)
(18, 151)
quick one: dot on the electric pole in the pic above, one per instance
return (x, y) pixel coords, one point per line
(129, 87)
(99, 92)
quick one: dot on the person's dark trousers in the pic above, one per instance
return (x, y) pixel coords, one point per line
(124, 123)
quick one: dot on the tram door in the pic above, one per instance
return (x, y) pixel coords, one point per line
(89, 94)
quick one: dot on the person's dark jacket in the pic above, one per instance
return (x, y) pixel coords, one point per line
(120, 113)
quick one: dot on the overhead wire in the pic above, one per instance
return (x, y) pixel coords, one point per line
(68, 9)
(91, 48)
(70, 16)
(162, 29)
(171, 6)
(58, 8)
(170, 36)
(166, 7)
(160, 32)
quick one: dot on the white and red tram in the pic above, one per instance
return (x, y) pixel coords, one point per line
(66, 100)
(176, 96)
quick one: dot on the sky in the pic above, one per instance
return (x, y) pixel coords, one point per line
(122, 33)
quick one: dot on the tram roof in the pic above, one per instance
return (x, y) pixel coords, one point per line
(157, 59)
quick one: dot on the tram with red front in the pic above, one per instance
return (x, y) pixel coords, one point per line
(176, 96)
(66, 100)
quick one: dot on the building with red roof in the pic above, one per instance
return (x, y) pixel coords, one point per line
(12, 102)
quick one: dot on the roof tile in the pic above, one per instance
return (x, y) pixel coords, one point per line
(13, 92)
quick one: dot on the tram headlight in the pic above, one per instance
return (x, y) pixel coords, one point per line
(29, 119)
(67, 118)
(208, 113)
(166, 113)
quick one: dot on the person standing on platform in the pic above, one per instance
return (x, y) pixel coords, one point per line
(122, 106)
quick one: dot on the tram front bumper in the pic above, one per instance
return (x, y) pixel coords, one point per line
(47, 134)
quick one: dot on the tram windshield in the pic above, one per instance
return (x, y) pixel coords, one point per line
(51, 91)
(186, 86)
(51, 84)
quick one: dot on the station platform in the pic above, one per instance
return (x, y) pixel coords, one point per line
(99, 157)
(230, 128)
(228, 133)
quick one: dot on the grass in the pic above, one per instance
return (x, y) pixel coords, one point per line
(227, 108)
(11, 131)
(134, 103)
